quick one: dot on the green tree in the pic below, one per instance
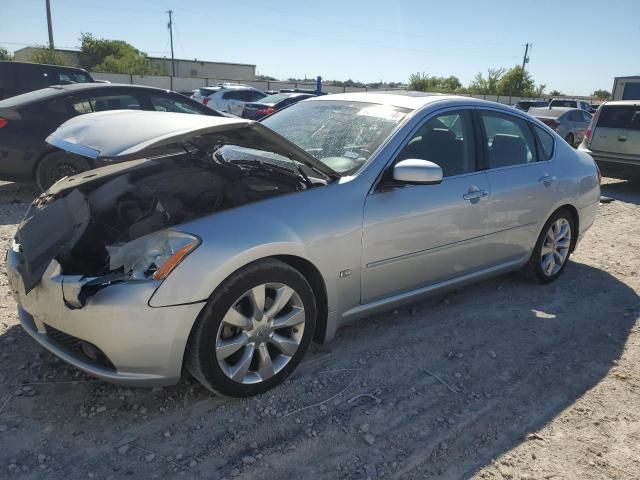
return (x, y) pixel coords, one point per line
(555, 93)
(519, 82)
(48, 55)
(602, 94)
(266, 77)
(488, 85)
(5, 55)
(115, 56)
(423, 82)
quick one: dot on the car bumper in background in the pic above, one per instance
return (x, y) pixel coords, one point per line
(116, 336)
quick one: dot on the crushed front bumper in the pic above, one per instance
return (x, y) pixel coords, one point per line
(136, 344)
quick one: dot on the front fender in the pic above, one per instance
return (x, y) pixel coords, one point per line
(226, 247)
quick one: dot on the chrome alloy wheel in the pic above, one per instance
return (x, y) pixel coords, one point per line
(260, 333)
(555, 247)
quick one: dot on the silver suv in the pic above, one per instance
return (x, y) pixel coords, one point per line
(229, 98)
(613, 139)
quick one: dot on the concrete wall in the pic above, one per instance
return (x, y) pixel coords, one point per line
(201, 69)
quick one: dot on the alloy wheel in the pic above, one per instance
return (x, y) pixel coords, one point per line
(555, 247)
(260, 333)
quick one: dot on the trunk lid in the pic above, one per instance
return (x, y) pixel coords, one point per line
(116, 136)
(617, 130)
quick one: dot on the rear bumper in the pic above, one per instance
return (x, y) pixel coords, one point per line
(615, 166)
(142, 345)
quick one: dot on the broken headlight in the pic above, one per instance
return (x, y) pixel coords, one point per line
(152, 256)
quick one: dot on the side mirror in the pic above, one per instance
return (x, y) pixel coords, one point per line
(417, 171)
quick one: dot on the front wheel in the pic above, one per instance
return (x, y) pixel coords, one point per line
(57, 165)
(253, 331)
(553, 248)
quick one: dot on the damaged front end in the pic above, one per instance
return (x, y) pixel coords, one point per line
(120, 223)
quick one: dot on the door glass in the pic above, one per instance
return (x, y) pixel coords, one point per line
(446, 140)
(166, 104)
(508, 140)
(114, 102)
(82, 106)
(546, 142)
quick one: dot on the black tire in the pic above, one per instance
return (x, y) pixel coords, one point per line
(57, 165)
(200, 357)
(533, 269)
(570, 139)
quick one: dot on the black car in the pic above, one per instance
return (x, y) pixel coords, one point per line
(23, 77)
(26, 120)
(272, 103)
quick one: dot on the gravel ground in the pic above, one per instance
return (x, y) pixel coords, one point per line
(502, 379)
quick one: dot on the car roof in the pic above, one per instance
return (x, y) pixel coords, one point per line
(621, 102)
(54, 91)
(406, 99)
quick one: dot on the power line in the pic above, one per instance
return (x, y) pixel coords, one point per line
(334, 21)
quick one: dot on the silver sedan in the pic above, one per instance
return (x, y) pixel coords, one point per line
(570, 123)
(226, 246)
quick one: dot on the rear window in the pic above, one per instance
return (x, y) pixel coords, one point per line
(620, 116)
(205, 92)
(564, 103)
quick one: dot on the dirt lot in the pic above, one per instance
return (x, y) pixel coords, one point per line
(499, 380)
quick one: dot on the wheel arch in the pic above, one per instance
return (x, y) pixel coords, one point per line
(575, 217)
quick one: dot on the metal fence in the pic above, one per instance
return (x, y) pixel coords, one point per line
(186, 84)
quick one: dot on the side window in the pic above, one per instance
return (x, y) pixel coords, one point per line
(255, 96)
(81, 106)
(114, 102)
(586, 116)
(446, 140)
(167, 104)
(575, 116)
(233, 95)
(508, 140)
(546, 142)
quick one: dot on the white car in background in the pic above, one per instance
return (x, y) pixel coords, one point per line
(229, 98)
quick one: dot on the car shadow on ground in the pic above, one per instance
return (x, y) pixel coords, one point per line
(435, 389)
(625, 191)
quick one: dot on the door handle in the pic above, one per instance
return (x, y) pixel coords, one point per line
(547, 180)
(622, 138)
(475, 196)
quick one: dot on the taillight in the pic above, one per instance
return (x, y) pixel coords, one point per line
(3, 122)
(205, 100)
(590, 128)
(265, 111)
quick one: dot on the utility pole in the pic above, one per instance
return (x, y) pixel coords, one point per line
(170, 25)
(51, 46)
(525, 59)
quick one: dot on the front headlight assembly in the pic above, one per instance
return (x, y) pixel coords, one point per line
(152, 256)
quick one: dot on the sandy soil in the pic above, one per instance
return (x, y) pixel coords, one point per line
(503, 379)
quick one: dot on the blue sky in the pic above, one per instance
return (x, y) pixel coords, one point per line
(578, 46)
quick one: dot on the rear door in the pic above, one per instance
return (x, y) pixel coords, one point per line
(617, 131)
(522, 182)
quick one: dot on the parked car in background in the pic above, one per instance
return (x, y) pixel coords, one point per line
(571, 103)
(570, 123)
(525, 105)
(27, 119)
(613, 139)
(227, 98)
(22, 77)
(227, 258)
(272, 103)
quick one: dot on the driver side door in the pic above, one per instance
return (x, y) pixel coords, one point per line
(418, 235)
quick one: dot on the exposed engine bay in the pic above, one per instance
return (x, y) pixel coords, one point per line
(141, 197)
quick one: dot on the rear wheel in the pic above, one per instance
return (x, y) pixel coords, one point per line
(253, 331)
(570, 139)
(57, 165)
(553, 248)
